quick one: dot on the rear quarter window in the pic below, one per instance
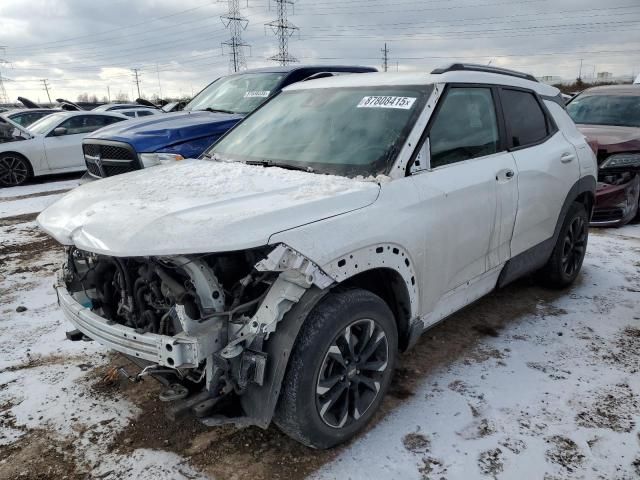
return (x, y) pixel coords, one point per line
(525, 119)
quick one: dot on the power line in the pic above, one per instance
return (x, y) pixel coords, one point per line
(235, 23)
(94, 34)
(283, 29)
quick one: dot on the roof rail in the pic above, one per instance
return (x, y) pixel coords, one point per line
(472, 67)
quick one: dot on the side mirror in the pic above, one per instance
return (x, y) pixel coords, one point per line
(423, 159)
(59, 131)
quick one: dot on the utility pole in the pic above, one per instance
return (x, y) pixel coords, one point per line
(45, 84)
(580, 71)
(137, 80)
(3, 93)
(385, 58)
(159, 84)
(108, 93)
(235, 23)
(283, 29)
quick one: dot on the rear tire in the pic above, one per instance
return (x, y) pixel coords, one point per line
(565, 262)
(14, 170)
(339, 370)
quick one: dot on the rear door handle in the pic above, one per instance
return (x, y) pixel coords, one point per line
(567, 157)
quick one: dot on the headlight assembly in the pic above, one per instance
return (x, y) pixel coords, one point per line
(151, 159)
(622, 160)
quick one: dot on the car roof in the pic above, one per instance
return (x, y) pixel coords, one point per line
(106, 106)
(293, 68)
(27, 110)
(424, 78)
(631, 90)
(75, 113)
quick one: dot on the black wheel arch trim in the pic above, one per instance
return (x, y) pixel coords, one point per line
(259, 402)
(537, 256)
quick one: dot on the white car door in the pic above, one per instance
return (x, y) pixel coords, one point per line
(547, 167)
(470, 191)
(64, 147)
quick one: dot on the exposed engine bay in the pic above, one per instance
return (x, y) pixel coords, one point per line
(206, 316)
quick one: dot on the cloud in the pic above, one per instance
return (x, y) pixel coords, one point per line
(83, 46)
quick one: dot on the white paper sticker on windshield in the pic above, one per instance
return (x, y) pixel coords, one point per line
(257, 93)
(404, 103)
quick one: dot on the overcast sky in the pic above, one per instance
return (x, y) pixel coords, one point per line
(89, 45)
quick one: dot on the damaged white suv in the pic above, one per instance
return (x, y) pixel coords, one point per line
(278, 277)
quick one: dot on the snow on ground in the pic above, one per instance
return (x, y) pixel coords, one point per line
(559, 399)
(37, 188)
(526, 384)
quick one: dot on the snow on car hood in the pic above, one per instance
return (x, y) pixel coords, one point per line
(198, 206)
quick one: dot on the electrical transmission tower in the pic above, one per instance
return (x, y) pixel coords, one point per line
(235, 23)
(3, 93)
(137, 79)
(45, 84)
(283, 29)
(385, 58)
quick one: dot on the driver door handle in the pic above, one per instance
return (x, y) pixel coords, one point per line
(567, 157)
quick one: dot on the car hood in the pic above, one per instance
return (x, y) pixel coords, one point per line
(609, 139)
(160, 131)
(198, 206)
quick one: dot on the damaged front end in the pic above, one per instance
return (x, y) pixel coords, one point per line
(618, 191)
(200, 324)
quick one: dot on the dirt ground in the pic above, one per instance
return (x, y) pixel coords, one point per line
(486, 335)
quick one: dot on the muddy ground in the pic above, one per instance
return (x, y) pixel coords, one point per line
(482, 334)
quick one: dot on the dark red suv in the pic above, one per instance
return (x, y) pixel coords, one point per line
(609, 117)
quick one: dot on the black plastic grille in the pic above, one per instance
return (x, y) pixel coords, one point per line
(106, 159)
(93, 169)
(607, 214)
(116, 153)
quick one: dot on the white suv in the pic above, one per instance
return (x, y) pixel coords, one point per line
(278, 277)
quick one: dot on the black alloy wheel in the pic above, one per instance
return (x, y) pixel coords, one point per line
(574, 246)
(14, 170)
(565, 262)
(339, 370)
(351, 373)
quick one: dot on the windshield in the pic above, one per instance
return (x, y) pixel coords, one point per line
(237, 93)
(619, 110)
(341, 131)
(45, 124)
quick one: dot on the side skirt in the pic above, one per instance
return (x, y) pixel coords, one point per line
(462, 296)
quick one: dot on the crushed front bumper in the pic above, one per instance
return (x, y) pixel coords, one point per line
(179, 351)
(616, 205)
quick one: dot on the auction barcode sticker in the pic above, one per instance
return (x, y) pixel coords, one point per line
(257, 93)
(404, 103)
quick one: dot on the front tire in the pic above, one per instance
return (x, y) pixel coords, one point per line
(565, 262)
(339, 370)
(14, 170)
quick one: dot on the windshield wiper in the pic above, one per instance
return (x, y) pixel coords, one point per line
(217, 110)
(286, 166)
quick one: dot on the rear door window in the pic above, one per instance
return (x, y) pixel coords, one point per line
(525, 119)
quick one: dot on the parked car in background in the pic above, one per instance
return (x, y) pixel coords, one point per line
(51, 145)
(174, 106)
(110, 107)
(278, 277)
(11, 132)
(138, 112)
(175, 136)
(609, 116)
(26, 116)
